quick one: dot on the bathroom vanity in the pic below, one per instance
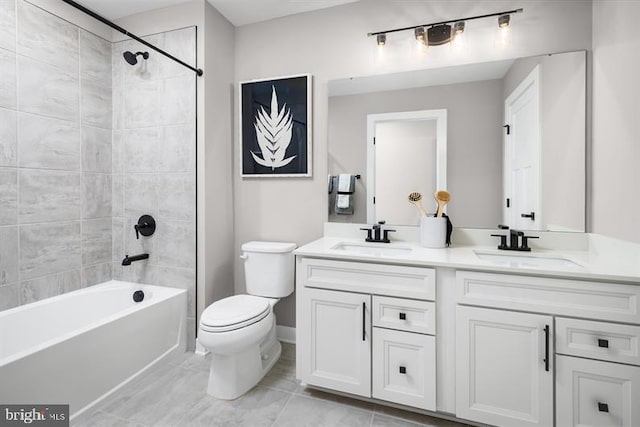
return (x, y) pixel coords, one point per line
(545, 338)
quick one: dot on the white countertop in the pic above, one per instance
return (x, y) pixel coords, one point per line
(603, 259)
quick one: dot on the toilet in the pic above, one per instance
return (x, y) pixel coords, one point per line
(240, 330)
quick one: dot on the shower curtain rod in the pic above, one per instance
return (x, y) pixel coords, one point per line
(94, 15)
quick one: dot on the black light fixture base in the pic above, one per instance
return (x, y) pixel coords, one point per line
(439, 34)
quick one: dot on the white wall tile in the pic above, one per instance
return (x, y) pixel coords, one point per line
(96, 229)
(176, 244)
(140, 150)
(8, 24)
(49, 286)
(8, 196)
(96, 195)
(176, 196)
(141, 104)
(181, 44)
(117, 239)
(95, 54)
(176, 149)
(117, 195)
(96, 103)
(48, 143)
(141, 195)
(96, 149)
(179, 100)
(8, 137)
(96, 274)
(47, 38)
(9, 296)
(49, 248)
(47, 90)
(48, 196)
(8, 81)
(8, 255)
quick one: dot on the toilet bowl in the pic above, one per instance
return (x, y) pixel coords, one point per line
(240, 331)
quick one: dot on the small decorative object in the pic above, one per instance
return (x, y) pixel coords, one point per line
(275, 127)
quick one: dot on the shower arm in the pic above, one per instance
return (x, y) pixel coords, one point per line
(94, 15)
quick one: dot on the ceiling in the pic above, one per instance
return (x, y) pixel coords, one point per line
(238, 12)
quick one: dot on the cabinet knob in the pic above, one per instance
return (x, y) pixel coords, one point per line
(603, 407)
(402, 316)
(403, 370)
(603, 343)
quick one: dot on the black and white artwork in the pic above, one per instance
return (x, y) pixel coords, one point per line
(275, 127)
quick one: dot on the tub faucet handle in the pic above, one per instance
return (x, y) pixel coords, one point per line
(146, 226)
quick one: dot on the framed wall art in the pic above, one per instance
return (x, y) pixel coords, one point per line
(275, 127)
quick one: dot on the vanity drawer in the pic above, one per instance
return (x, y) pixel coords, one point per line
(379, 279)
(593, 300)
(598, 340)
(595, 393)
(404, 368)
(404, 314)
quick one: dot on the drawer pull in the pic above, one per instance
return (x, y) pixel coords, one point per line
(603, 407)
(403, 316)
(546, 348)
(403, 370)
(364, 321)
(603, 343)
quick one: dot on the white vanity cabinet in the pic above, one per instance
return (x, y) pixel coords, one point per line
(504, 372)
(504, 358)
(367, 329)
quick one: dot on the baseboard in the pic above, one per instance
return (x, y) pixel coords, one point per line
(286, 334)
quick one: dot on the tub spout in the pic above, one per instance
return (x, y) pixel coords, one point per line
(129, 259)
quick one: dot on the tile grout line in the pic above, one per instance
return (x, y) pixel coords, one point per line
(282, 410)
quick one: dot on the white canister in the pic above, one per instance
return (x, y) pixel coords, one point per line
(433, 232)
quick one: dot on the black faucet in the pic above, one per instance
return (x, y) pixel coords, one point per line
(377, 232)
(129, 259)
(514, 240)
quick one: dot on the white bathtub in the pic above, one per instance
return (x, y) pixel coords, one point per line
(79, 347)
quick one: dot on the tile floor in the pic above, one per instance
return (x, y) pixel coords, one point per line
(175, 395)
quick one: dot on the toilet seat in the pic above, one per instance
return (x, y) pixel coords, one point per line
(235, 312)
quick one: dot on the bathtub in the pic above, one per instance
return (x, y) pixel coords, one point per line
(79, 347)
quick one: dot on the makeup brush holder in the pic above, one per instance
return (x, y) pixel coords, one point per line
(433, 232)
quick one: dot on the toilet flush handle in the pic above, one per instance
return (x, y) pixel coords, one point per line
(244, 256)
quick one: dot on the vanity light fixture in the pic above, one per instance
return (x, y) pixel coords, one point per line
(439, 33)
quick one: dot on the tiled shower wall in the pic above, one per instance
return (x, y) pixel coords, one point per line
(55, 155)
(154, 112)
(81, 159)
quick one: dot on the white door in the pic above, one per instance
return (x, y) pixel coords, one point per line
(591, 393)
(502, 377)
(336, 338)
(522, 207)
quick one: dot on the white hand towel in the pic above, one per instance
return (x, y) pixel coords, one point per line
(343, 201)
(345, 184)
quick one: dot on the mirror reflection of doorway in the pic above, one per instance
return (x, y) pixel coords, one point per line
(522, 208)
(406, 153)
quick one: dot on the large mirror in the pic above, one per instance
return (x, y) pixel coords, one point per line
(514, 141)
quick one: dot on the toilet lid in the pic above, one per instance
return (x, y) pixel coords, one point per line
(235, 312)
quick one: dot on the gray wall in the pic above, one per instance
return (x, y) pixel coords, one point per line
(616, 126)
(295, 209)
(563, 134)
(154, 144)
(474, 144)
(55, 156)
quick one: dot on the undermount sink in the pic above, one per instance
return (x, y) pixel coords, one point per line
(374, 249)
(526, 260)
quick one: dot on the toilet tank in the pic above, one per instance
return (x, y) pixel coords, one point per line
(269, 268)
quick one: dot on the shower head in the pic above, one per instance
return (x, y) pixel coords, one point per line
(132, 59)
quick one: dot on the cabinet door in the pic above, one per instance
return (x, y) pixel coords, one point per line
(502, 377)
(597, 394)
(334, 340)
(404, 368)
